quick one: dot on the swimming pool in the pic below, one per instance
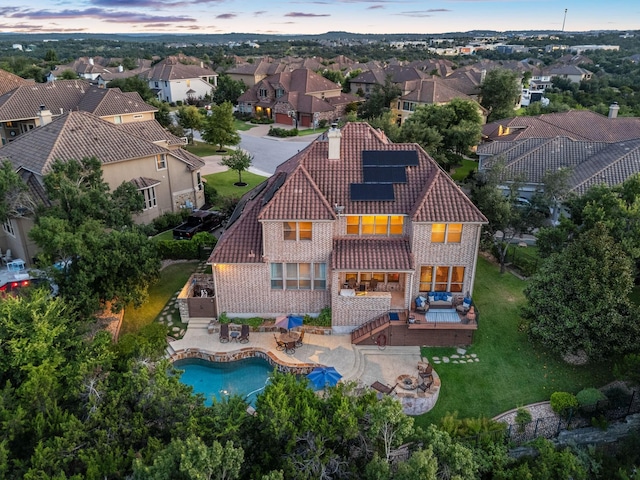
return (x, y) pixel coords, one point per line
(246, 378)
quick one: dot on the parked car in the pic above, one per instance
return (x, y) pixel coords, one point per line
(198, 221)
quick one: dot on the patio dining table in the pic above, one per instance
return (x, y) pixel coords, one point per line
(289, 337)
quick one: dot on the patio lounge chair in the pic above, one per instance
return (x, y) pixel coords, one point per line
(427, 373)
(224, 333)
(425, 386)
(244, 334)
(300, 338)
(279, 345)
(382, 388)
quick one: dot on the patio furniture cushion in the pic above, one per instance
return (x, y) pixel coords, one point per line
(394, 316)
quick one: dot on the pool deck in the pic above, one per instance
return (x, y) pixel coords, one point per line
(363, 364)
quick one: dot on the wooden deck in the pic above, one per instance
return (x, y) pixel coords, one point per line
(402, 333)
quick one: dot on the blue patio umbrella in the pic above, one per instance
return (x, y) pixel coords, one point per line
(324, 377)
(288, 322)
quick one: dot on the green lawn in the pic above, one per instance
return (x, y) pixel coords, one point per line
(172, 279)
(463, 170)
(224, 182)
(511, 372)
(202, 149)
(243, 126)
(311, 131)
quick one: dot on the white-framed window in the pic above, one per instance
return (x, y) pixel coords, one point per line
(446, 233)
(7, 226)
(161, 161)
(297, 230)
(384, 225)
(298, 276)
(117, 119)
(441, 278)
(149, 195)
(262, 92)
(408, 106)
(279, 92)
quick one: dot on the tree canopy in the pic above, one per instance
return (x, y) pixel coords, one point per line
(189, 116)
(228, 90)
(579, 299)
(219, 127)
(499, 93)
(133, 84)
(379, 100)
(239, 160)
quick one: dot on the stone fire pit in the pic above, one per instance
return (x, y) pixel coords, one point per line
(407, 382)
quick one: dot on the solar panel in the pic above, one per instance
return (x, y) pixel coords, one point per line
(372, 191)
(256, 191)
(384, 174)
(273, 188)
(389, 158)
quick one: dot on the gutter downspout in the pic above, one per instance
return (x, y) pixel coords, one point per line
(475, 259)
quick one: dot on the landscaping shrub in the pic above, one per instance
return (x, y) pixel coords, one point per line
(282, 132)
(178, 103)
(481, 430)
(323, 123)
(210, 194)
(243, 116)
(563, 402)
(261, 121)
(619, 397)
(169, 220)
(590, 397)
(186, 249)
(322, 320)
(523, 416)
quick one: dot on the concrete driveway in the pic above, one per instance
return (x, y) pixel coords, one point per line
(268, 152)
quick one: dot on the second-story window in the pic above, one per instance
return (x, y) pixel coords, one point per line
(161, 162)
(446, 233)
(297, 230)
(385, 225)
(262, 92)
(279, 92)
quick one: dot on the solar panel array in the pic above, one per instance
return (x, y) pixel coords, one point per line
(380, 170)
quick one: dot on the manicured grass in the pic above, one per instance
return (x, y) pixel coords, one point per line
(311, 131)
(463, 170)
(202, 149)
(224, 182)
(172, 279)
(167, 235)
(511, 371)
(243, 126)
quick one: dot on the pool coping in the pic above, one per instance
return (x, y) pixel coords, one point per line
(242, 353)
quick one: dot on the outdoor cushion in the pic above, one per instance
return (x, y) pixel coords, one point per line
(466, 302)
(393, 316)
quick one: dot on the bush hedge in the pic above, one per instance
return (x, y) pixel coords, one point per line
(187, 249)
(562, 402)
(590, 397)
(282, 132)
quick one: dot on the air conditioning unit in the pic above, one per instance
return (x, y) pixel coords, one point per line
(185, 140)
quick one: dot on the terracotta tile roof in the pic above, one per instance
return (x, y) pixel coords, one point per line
(431, 91)
(192, 161)
(59, 96)
(150, 130)
(9, 81)
(372, 254)
(576, 124)
(428, 196)
(75, 135)
(298, 198)
(467, 81)
(105, 102)
(445, 202)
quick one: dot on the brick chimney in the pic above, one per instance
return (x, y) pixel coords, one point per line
(44, 115)
(613, 110)
(334, 137)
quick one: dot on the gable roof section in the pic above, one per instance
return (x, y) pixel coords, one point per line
(105, 102)
(9, 81)
(75, 135)
(444, 202)
(150, 130)
(575, 124)
(298, 199)
(372, 254)
(168, 70)
(432, 91)
(57, 97)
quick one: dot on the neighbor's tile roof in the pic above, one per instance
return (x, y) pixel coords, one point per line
(105, 102)
(576, 124)
(372, 254)
(57, 97)
(9, 81)
(75, 135)
(591, 163)
(150, 130)
(173, 70)
(431, 91)
(306, 186)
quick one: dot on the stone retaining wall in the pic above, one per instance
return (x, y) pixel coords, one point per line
(242, 353)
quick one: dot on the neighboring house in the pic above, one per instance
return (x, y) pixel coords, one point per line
(173, 81)
(9, 81)
(433, 91)
(252, 73)
(28, 106)
(99, 70)
(570, 72)
(352, 207)
(365, 82)
(297, 98)
(597, 149)
(142, 153)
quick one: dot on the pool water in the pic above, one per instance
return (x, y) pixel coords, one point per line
(246, 378)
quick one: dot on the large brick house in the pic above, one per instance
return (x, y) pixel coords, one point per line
(352, 211)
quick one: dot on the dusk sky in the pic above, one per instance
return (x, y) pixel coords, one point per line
(315, 16)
